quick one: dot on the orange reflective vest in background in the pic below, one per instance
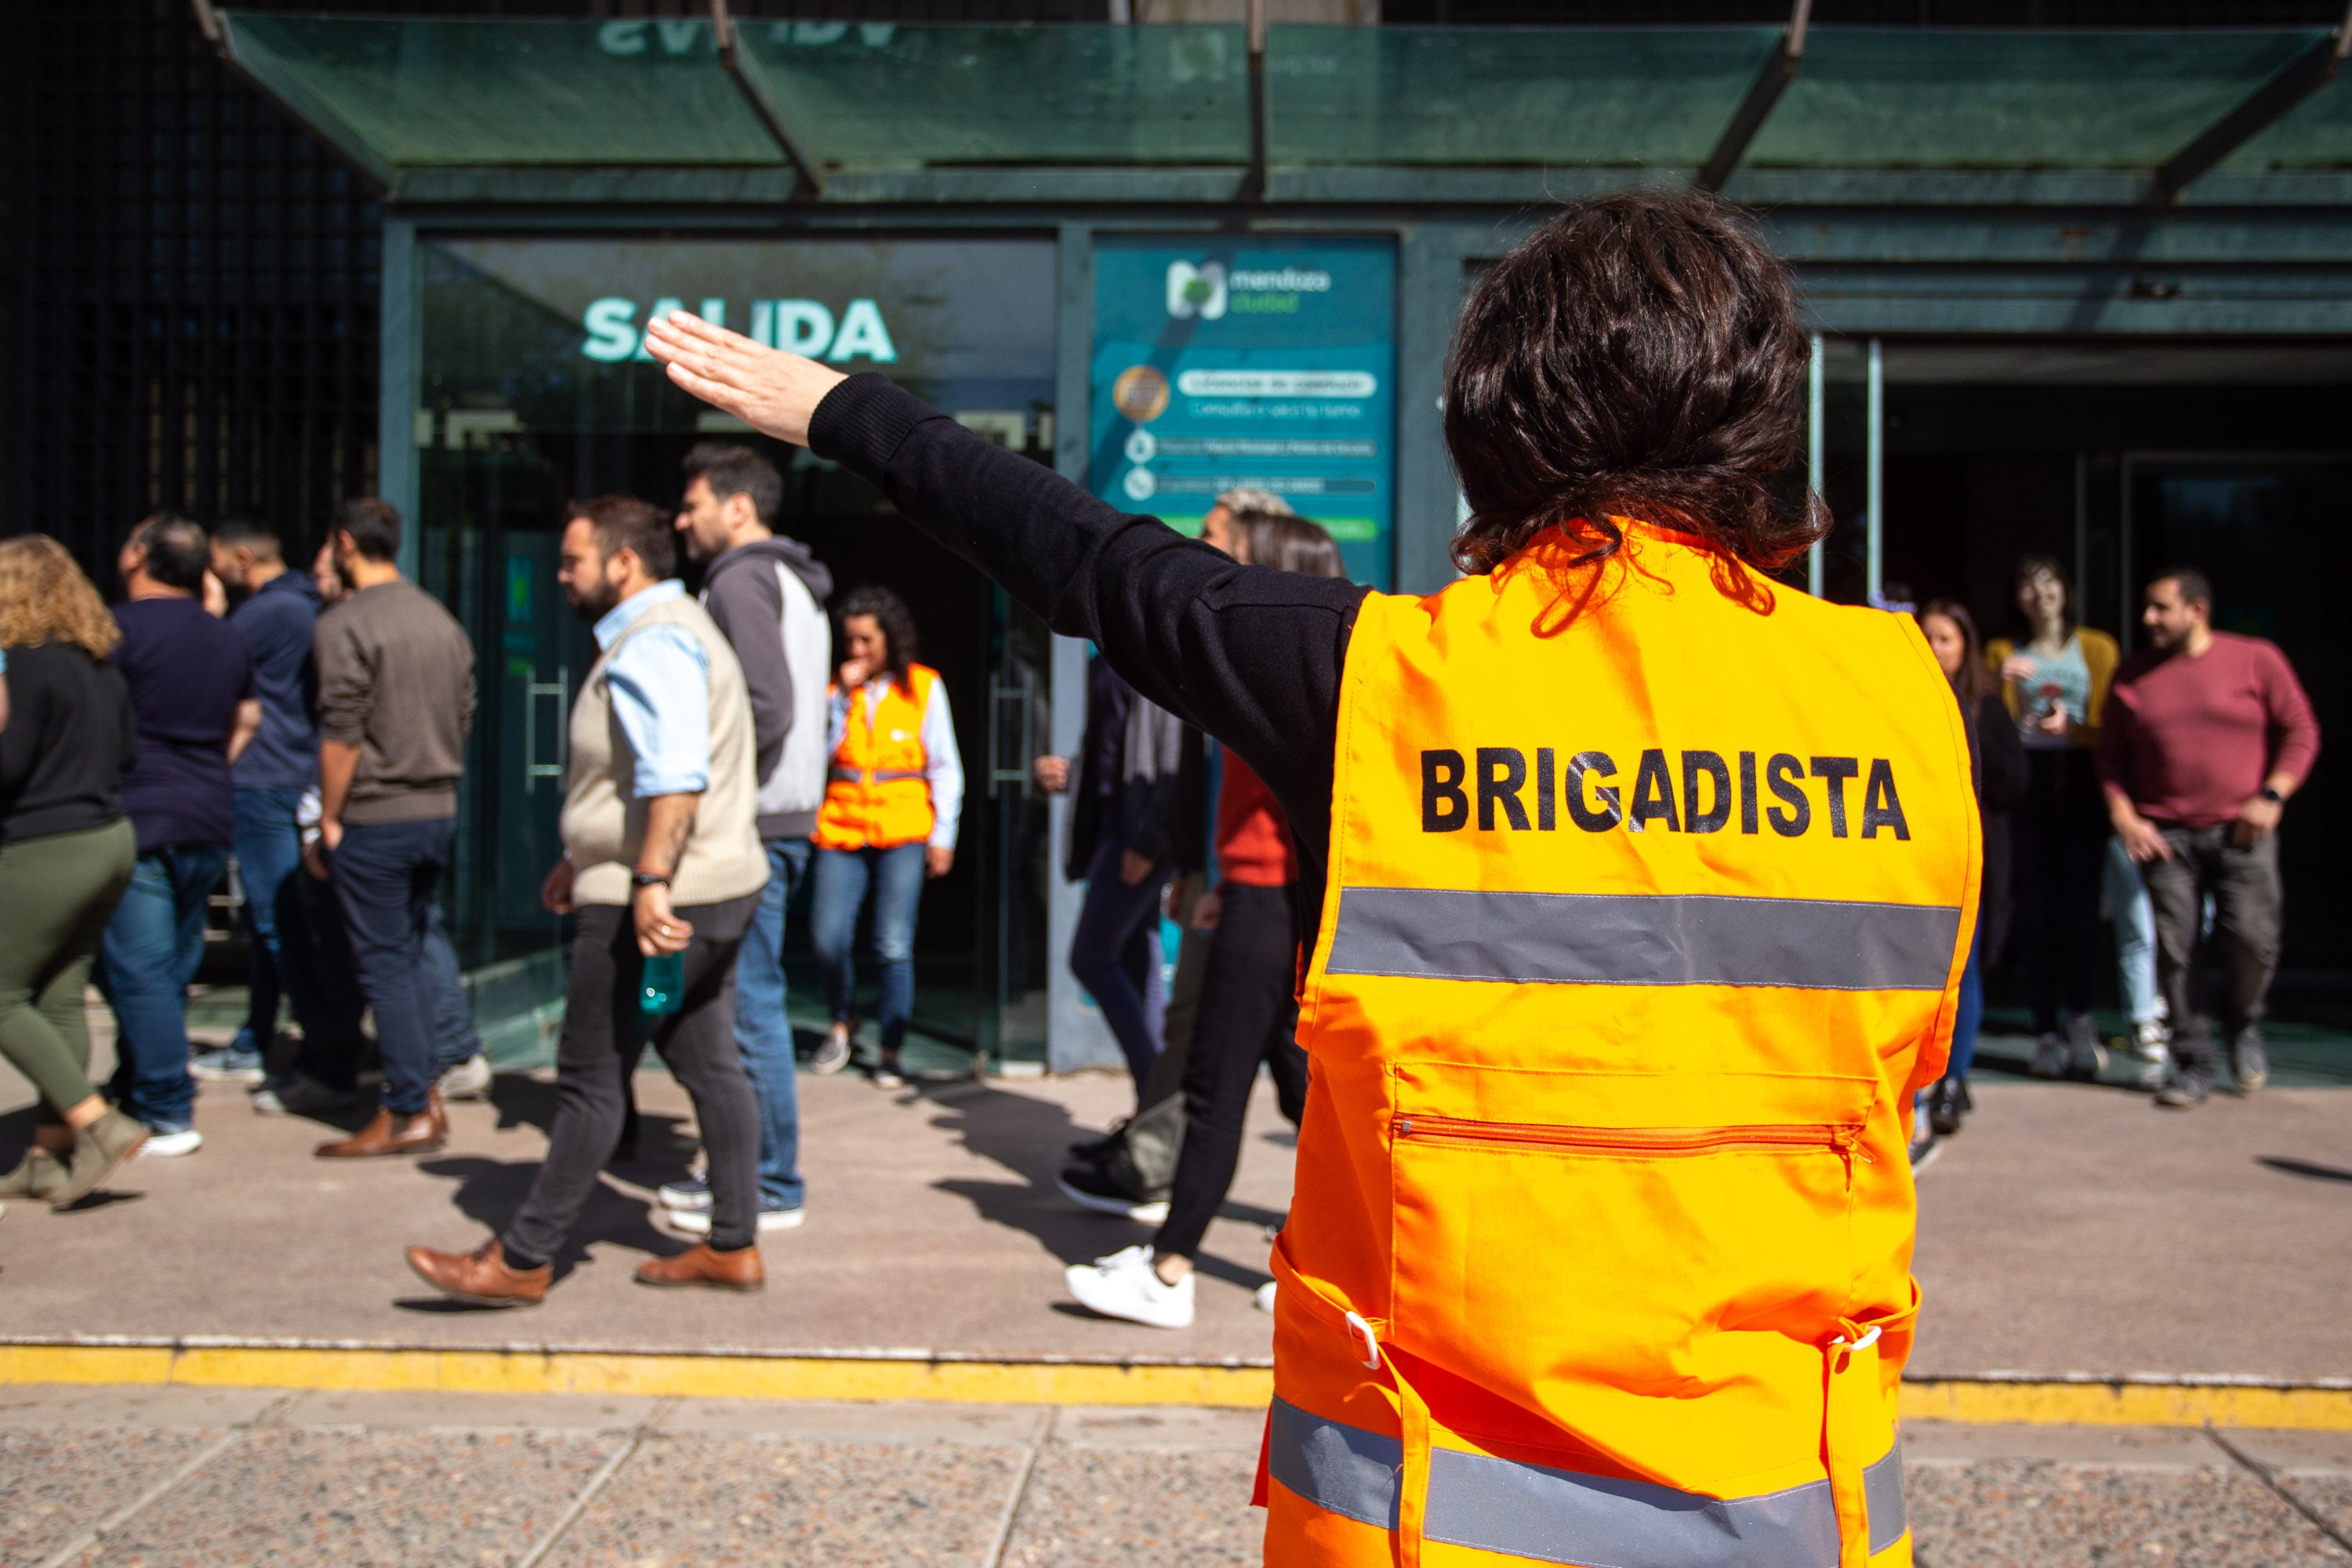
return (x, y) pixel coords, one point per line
(875, 792)
(1651, 887)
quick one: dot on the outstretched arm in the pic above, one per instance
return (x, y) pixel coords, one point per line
(1249, 655)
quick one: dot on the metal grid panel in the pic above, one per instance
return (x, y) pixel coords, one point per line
(196, 289)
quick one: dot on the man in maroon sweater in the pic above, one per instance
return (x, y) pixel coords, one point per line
(2206, 735)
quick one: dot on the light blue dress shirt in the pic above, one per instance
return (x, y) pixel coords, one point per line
(660, 685)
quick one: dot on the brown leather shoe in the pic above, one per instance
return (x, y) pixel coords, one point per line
(481, 1277)
(387, 1134)
(737, 1271)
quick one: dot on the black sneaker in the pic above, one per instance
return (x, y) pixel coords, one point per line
(1098, 1150)
(2250, 1060)
(1923, 1151)
(1945, 1103)
(2085, 1057)
(2185, 1089)
(1103, 1190)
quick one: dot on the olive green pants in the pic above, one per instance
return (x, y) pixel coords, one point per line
(58, 892)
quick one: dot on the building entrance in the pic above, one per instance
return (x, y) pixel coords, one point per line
(533, 390)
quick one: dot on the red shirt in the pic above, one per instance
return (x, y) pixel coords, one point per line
(2189, 741)
(1252, 839)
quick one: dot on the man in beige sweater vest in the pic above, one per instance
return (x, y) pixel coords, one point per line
(661, 856)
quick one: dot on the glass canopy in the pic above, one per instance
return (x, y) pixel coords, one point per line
(398, 94)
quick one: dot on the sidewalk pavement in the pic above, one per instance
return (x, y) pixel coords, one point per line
(157, 1477)
(2068, 1229)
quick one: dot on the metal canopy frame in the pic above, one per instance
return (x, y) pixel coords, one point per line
(1772, 79)
(766, 104)
(1261, 182)
(2264, 107)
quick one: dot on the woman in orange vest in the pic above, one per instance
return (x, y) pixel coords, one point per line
(1638, 883)
(892, 799)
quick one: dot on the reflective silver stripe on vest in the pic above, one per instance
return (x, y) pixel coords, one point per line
(1643, 939)
(841, 775)
(883, 775)
(1558, 1516)
(1882, 1496)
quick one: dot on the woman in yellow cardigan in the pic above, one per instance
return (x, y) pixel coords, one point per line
(2055, 684)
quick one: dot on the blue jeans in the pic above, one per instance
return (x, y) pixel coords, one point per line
(268, 843)
(2134, 918)
(149, 951)
(764, 1035)
(1115, 953)
(1970, 1014)
(895, 875)
(388, 875)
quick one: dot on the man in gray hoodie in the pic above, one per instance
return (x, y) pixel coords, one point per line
(767, 593)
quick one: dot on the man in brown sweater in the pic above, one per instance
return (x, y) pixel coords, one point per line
(396, 702)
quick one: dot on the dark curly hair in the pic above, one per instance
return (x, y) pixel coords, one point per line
(1639, 355)
(897, 625)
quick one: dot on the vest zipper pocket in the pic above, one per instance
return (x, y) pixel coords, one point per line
(1650, 1142)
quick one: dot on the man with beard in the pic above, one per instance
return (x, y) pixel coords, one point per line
(661, 860)
(396, 702)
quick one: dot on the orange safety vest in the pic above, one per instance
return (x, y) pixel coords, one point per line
(876, 794)
(1649, 893)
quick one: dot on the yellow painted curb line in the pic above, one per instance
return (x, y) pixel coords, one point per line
(684, 1376)
(2138, 1401)
(2133, 1402)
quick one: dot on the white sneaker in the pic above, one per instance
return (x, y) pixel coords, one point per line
(2152, 1041)
(1124, 1286)
(163, 1142)
(470, 1080)
(691, 1195)
(697, 1222)
(831, 1055)
(1265, 1297)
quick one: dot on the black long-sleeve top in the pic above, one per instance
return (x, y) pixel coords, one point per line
(1248, 654)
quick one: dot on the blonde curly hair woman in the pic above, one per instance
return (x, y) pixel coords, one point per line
(66, 853)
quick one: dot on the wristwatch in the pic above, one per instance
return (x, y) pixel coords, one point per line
(647, 880)
(2272, 796)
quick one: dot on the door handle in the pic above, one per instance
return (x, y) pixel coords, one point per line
(534, 688)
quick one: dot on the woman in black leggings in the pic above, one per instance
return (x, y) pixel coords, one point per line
(1249, 1005)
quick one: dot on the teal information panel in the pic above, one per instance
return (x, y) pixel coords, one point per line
(1228, 361)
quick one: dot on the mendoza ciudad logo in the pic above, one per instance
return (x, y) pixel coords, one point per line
(1206, 290)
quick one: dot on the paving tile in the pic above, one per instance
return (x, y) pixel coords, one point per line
(55, 1483)
(2328, 1495)
(1105, 1507)
(2174, 1448)
(84, 1404)
(843, 1421)
(473, 1412)
(375, 1499)
(2296, 1453)
(1158, 1427)
(2038, 1514)
(736, 1502)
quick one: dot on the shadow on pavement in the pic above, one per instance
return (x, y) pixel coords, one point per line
(490, 1190)
(2304, 1168)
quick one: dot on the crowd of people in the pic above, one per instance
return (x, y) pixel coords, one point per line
(313, 723)
(2144, 792)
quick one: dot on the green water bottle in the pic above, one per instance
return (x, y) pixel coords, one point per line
(665, 985)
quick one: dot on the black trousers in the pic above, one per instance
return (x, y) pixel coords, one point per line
(2248, 904)
(2061, 854)
(605, 1033)
(1249, 1013)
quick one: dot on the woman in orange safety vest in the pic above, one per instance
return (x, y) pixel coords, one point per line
(1638, 883)
(892, 793)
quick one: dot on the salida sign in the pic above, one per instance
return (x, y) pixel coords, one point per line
(615, 328)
